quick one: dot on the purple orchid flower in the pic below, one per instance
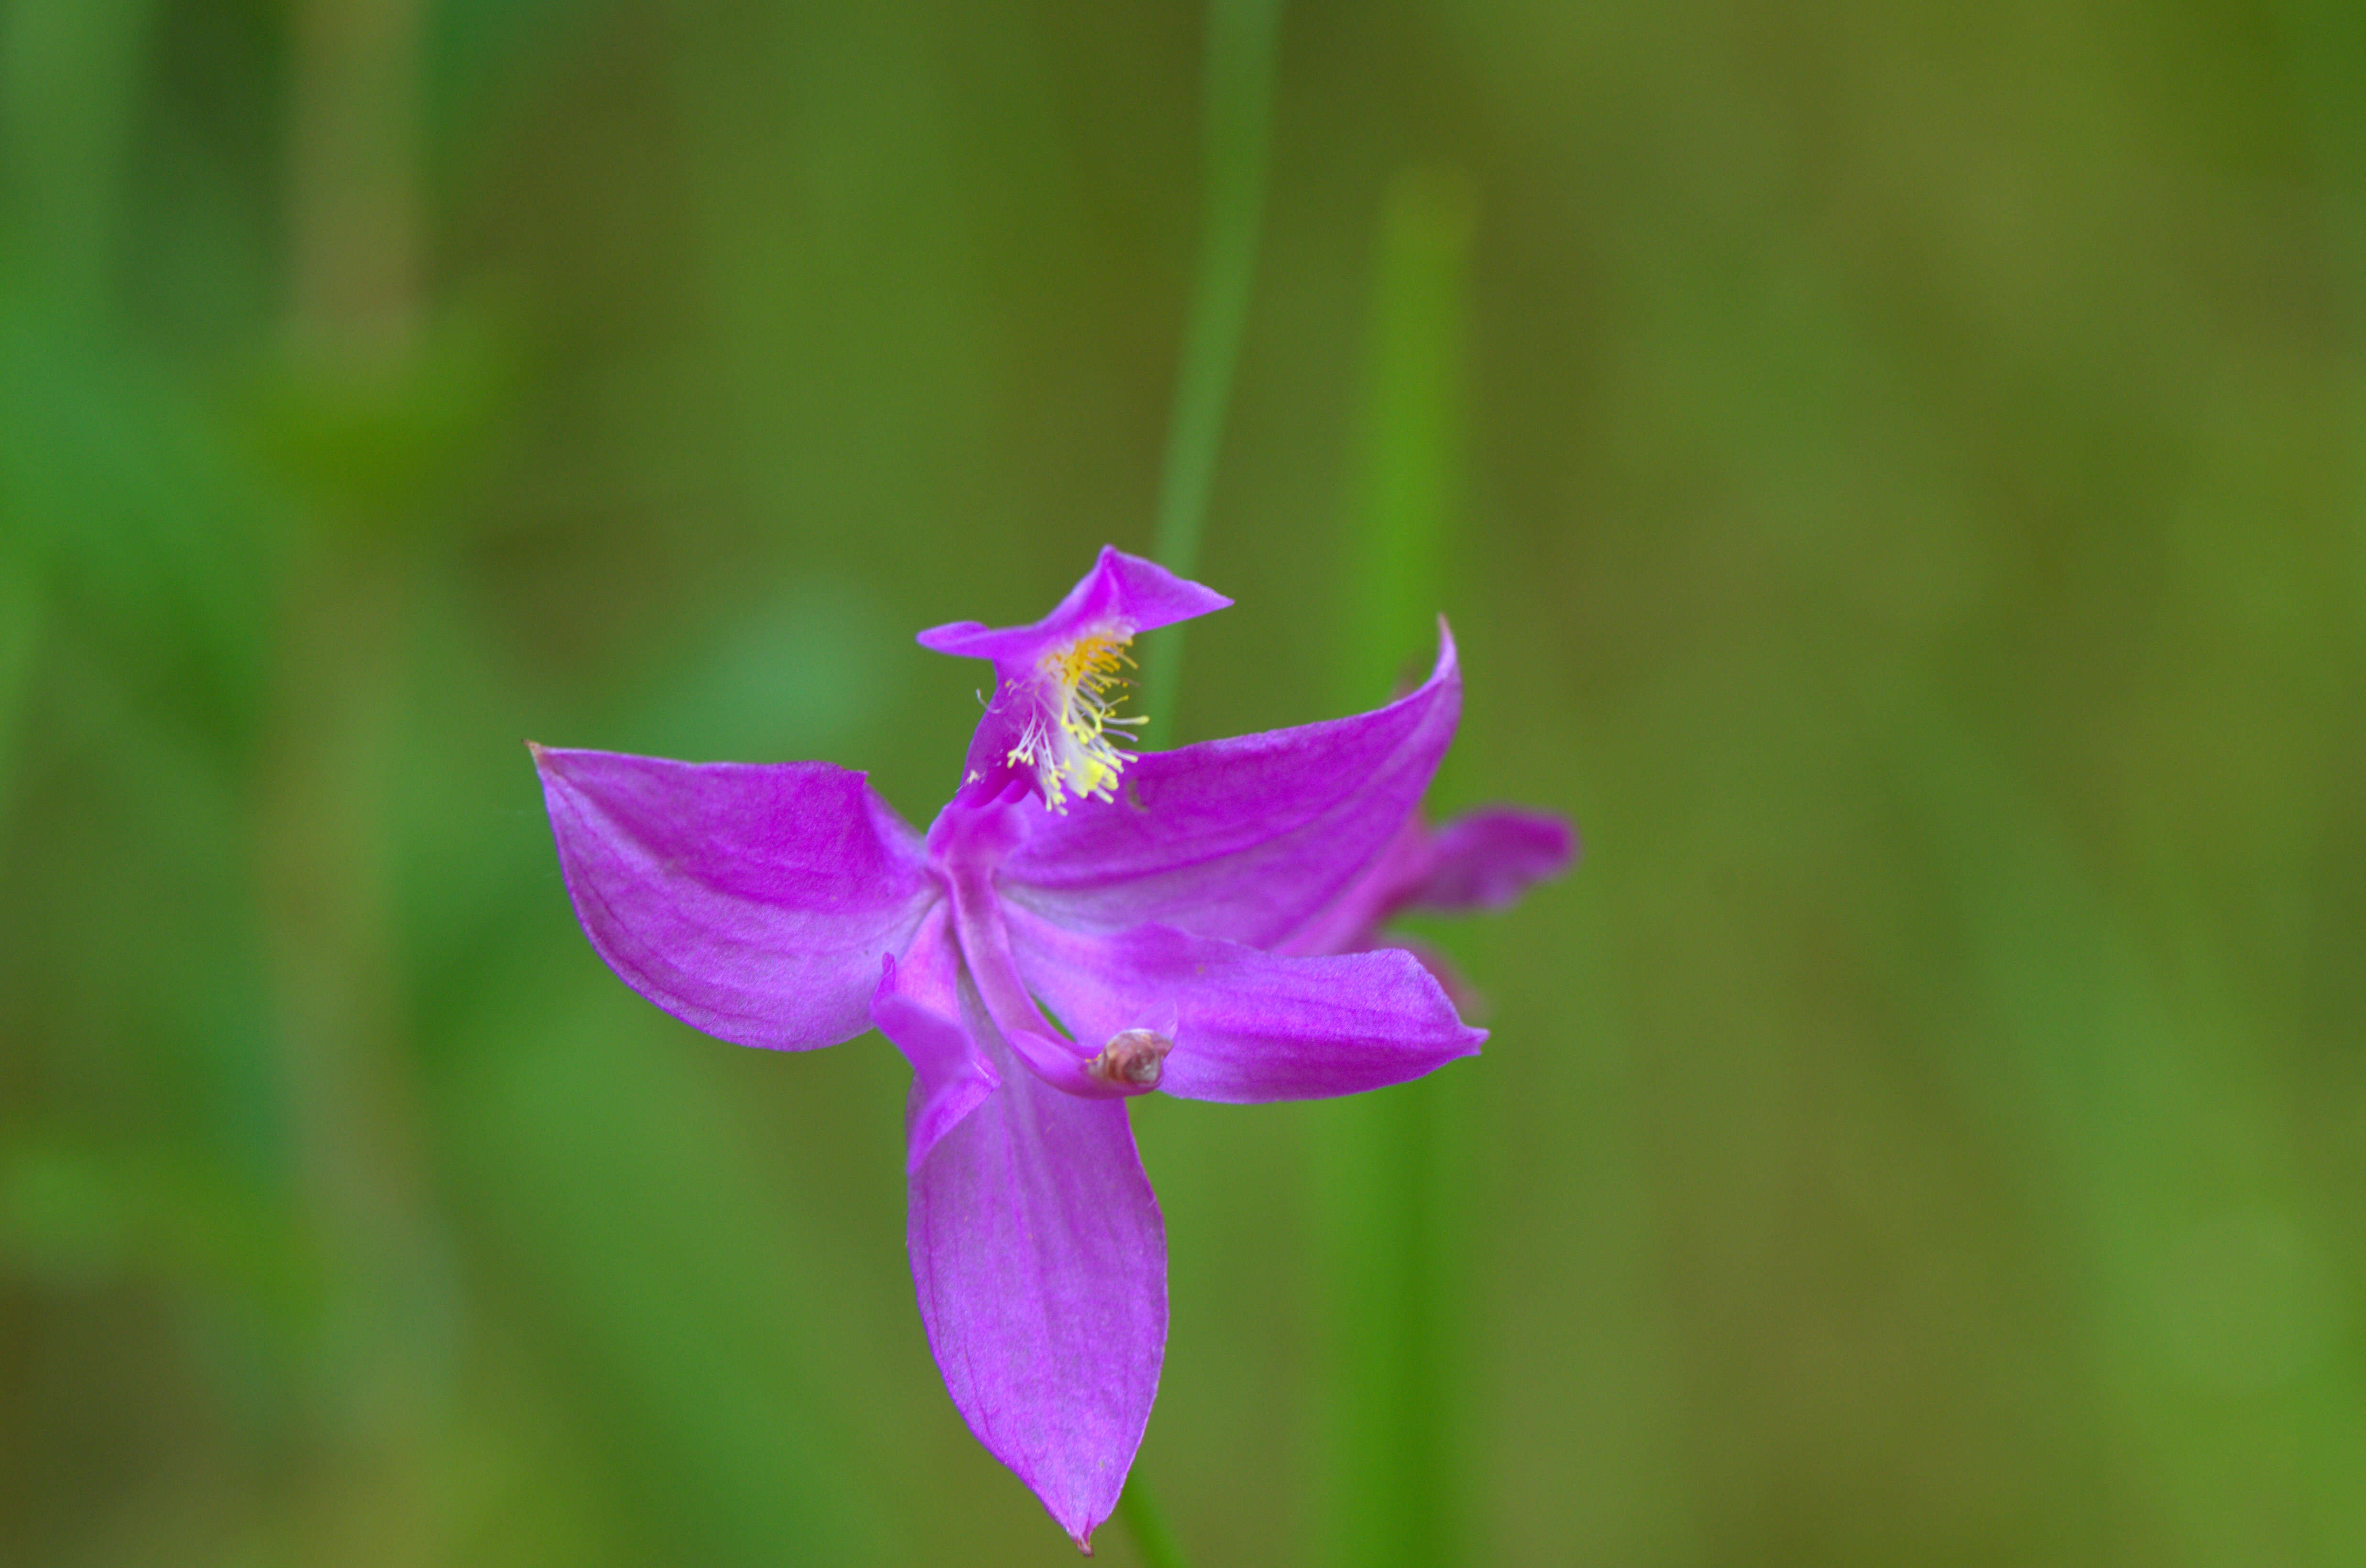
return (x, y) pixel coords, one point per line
(1079, 924)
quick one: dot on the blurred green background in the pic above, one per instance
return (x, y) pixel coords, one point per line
(1897, 474)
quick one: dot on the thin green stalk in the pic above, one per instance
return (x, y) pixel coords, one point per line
(1236, 132)
(1408, 455)
(1151, 1536)
(1389, 1162)
(1235, 136)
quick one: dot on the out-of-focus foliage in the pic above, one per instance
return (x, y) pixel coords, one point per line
(1905, 499)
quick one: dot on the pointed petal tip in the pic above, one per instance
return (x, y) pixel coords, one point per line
(1039, 1262)
(950, 637)
(1083, 1535)
(549, 761)
(1179, 598)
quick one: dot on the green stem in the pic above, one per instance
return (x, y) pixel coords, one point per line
(1236, 132)
(1389, 1163)
(1151, 1536)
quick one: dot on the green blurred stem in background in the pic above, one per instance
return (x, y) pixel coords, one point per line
(328, 754)
(1389, 1191)
(20, 629)
(70, 81)
(1409, 438)
(68, 92)
(1236, 133)
(1152, 1538)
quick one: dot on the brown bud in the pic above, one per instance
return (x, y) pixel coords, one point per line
(1133, 1058)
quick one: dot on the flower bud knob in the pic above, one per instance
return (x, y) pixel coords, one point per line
(1134, 1060)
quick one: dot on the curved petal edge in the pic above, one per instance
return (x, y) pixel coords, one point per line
(751, 901)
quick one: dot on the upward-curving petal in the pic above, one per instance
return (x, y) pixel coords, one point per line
(754, 902)
(1246, 838)
(1041, 1262)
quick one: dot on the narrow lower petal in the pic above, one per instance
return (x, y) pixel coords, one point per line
(1040, 1261)
(1248, 1026)
(1487, 858)
(1247, 838)
(752, 901)
(917, 1006)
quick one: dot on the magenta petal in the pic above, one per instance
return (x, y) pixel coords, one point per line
(1351, 923)
(1122, 591)
(1458, 990)
(1483, 860)
(1249, 1027)
(752, 901)
(1245, 838)
(917, 1006)
(1487, 858)
(1040, 1263)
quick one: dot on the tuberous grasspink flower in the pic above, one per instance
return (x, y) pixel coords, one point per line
(1080, 925)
